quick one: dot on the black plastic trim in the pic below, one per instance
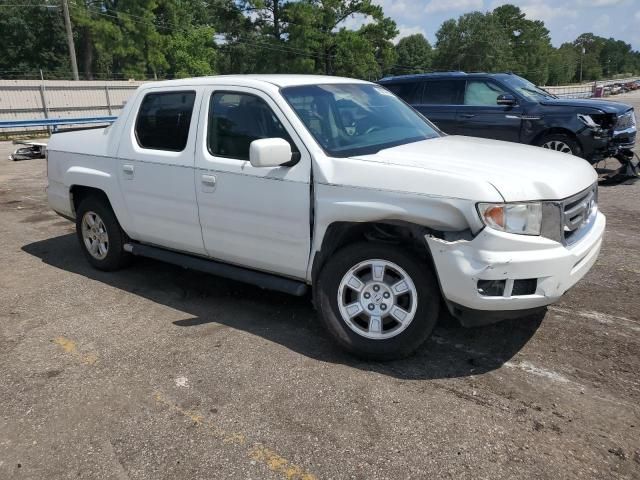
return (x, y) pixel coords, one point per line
(260, 279)
(470, 317)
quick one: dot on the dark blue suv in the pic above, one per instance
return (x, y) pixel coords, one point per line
(504, 106)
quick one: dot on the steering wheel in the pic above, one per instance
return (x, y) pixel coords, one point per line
(372, 129)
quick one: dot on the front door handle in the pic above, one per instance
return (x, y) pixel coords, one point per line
(208, 183)
(467, 115)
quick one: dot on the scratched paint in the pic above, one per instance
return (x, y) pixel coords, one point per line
(257, 452)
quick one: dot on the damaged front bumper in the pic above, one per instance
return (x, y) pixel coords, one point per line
(499, 275)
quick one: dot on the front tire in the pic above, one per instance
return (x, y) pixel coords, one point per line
(561, 143)
(378, 301)
(100, 235)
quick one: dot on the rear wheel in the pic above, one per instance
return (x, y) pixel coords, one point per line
(101, 238)
(560, 143)
(378, 301)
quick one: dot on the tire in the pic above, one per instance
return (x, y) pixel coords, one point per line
(107, 235)
(374, 334)
(561, 142)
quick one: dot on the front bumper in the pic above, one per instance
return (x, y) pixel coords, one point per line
(625, 138)
(494, 255)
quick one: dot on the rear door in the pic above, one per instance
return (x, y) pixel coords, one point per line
(481, 116)
(254, 217)
(438, 100)
(156, 168)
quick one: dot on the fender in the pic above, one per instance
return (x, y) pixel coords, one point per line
(102, 180)
(359, 205)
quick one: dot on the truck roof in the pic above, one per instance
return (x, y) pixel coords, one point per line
(251, 80)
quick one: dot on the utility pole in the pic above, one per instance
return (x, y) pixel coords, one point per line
(582, 50)
(72, 48)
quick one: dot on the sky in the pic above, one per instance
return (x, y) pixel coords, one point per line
(565, 19)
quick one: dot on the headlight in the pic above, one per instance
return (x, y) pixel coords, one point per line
(521, 218)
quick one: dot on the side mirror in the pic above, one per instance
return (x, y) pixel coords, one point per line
(269, 152)
(506, 99)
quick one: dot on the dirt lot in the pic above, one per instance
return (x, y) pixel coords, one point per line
(157, 372)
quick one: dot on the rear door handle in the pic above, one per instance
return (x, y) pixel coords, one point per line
(208, 183)
(467, 115)
(128, 171)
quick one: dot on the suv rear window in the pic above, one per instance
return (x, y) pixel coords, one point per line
(164, 119)
(441, 92)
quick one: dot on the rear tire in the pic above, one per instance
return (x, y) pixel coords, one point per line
(100, 235)
(561, 142)
(378, 301)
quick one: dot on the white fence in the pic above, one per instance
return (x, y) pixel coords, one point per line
(587, 90)
(35, 100)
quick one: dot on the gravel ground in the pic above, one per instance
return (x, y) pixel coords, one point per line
(157, 372)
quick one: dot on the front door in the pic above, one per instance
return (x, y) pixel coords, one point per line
(255, 217)
(481, 116)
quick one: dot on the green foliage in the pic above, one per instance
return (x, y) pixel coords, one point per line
(474, 42)
(177, 38)
(32, 39)
(528, 41)
(563, 63)
(414, 55)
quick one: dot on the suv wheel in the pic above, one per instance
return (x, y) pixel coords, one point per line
(101, 238)
(378, 301)
(560, 143)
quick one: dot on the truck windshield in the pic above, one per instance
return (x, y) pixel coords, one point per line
(352, 119)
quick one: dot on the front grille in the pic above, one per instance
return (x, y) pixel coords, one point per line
(576, 212)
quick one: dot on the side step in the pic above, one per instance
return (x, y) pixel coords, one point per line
(260, 279)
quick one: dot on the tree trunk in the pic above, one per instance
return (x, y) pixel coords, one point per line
(87, 53)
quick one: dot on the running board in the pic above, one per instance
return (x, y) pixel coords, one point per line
(260, 279)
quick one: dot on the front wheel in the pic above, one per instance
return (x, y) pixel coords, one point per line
(378, 301)
(561, 143)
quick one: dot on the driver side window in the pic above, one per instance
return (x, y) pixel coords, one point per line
(236, 120)
(481, 92)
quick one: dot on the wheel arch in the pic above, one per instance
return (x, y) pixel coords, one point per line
(77, 193)
(339, 234)
(556, 131)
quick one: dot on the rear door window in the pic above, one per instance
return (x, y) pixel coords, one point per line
(442, 92)
(482, 92)
(164, 119)
(404, 90)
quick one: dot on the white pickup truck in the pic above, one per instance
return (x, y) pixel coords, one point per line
(291, 181)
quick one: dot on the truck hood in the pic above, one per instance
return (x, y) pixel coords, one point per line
(518, 172)
(602, 105)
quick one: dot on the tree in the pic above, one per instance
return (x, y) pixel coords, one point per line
(414, 55)
(562, 65)
(589, 47)
(473, 42)
(32, 38)
(314, 28)
(529, 43)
